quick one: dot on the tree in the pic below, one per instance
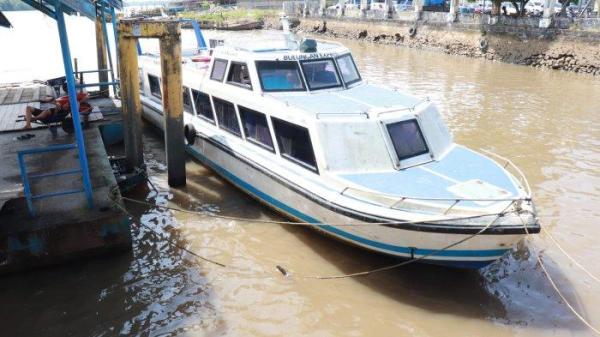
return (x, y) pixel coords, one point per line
(520, 6)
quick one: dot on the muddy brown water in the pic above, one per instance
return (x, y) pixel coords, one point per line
(545, 121)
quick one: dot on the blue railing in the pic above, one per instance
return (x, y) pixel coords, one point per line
(27, 178)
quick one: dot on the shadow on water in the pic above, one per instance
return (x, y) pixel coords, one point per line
(511, 291)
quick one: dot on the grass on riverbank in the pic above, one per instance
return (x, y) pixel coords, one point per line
(234, 15)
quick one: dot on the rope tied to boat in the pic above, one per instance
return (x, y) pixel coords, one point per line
(282, 270)
(553, 284)
(312, 224)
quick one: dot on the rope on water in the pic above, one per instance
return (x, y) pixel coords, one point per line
(302, 223)
(560, 294)
(169, 240)
(285, 273)
(403, 263)
(570, 257)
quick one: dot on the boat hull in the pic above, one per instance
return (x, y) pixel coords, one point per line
(281, 196)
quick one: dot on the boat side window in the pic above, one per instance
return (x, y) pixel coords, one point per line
(294, 143)
(321, 74)
(187, 100)
(203, 107)
(218, 70)
(154, 83)
(407, 139)
(256, 128)
(226, 116)
(348, 69)
(280, 76)
(239, 75)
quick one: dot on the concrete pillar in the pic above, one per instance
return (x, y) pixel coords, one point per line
(389, 9)
(546, 20)
(102, 57)
(342, 8)
(130, 101)
(364, 4)
(418, 9)
(323, 7)
(453, 13)
(170, 61)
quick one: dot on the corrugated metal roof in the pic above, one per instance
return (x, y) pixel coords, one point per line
(84, 7)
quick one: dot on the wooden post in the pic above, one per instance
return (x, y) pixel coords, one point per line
(170, 61)
(101, 56)
(130, 100)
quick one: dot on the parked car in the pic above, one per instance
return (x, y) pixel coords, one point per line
(534, 8)
(510, 8)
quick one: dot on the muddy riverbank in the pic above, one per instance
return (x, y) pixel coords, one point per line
(554, 51)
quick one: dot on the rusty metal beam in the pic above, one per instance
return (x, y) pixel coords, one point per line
(170, 64)
(130, 102)
(169, 34)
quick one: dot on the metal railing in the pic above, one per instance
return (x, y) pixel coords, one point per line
(27, 178)
(395, 201)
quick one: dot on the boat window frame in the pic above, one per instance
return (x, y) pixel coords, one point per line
(355, 68)
(218, 120)
(159, 95)
(300, 73)
(238, 84)
(406, 162)
(252, 140)
(189, 95)
(212, 69)
(307, 166)
(212, 110)
(337, 72)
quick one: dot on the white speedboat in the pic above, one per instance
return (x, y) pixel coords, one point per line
(293, 124)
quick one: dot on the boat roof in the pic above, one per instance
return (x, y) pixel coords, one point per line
(277, 49)
(359, 99)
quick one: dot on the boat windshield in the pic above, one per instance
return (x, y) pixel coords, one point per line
(321, 74)
(280, 76)
(407, 139)
(348, 69)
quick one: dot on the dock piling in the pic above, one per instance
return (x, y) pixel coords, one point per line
(169, 34)
(170, 60)
(101, 55)
(131, 105)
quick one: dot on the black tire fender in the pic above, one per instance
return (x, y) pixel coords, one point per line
(189, 131)
(412, 31)
(483, 44)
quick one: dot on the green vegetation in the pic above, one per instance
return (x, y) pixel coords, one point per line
(14, 5)
(233, 15)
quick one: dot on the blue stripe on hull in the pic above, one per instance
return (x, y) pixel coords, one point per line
(493, 254)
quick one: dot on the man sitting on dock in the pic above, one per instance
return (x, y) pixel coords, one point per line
(45, 115)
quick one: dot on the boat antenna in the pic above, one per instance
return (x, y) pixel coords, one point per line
(290, 39)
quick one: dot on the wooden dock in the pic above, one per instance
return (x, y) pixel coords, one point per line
(12, 111)
(63, 227)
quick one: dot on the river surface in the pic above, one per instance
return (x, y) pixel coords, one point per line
(546, 121)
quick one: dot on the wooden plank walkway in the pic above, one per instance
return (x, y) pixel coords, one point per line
(24, 94)
(12, 117)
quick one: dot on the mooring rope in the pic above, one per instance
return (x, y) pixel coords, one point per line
(570, 257)
(318, 277)
(303, 223)
(560, 294)
(169, 240)
(403, 263)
